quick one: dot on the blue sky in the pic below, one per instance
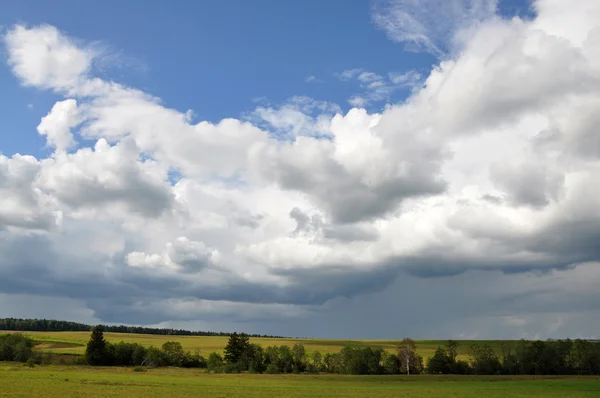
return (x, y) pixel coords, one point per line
(214, 57)
(340, 157)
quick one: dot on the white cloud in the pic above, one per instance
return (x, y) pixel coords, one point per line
(349, 74)
(358, 102)
(107, 175)
(182, 253)
(430, 25)
(57, 125)
(299, 116)
(491, 166)
(43, 57)
(377, 88)
(22, 205)
(409, 78)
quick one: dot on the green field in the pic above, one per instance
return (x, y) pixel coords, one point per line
(68, 381)
(74, 343)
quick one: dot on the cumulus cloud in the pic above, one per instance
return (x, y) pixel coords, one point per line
(22, 205)
(482, 181)
(182, 253)
(107, 174)
(43, 57)
(353, 176)
(57, 125)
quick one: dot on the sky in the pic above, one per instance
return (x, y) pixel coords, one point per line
(365, 170)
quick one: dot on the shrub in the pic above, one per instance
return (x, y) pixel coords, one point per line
(194, 360)
(233, 367)
(155, 357)
(273, 369)
(15, 347)
(214, 362)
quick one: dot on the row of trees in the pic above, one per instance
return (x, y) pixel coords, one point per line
(241, 355)
(18, 348)
(560, 357)
(51, 325)
(99, 352)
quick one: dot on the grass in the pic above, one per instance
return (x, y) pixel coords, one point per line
(69, 381)
(74, 343)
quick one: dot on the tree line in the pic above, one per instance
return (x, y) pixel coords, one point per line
(556, 357)
(241, 355)
(560, 357)
(52, 325)
(99, 352)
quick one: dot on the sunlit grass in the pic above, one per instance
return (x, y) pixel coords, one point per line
(69, 381)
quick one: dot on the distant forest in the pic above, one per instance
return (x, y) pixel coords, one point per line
(52, 325)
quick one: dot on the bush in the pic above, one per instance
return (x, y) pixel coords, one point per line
(139, 369)
(273, 369)
(173, 352)
(138, 355)
(194, 360)
(462, 367)
(440, 362)
(233, 368)
(484, 360)
(123, 354)
(15, 347)
(214, 362)
(80, 361)
(391, 364)
(155, 357)
(31, 363)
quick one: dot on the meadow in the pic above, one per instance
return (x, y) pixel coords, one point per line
(73, 381)
(73, 343)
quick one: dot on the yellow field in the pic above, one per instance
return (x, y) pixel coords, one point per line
(74, 343)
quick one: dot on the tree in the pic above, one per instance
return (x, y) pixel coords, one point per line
(138, 355)
(214, 362)
(317, 362)
(391, 364)
(193, 360)
(272, 357)
(299, 354)
(333, 362)
(22, 352)
(452, 350)
(253, 359)
(484, 360)
(286, 359)
(406, 353)
(122, 354)
(236, 346)
(155, 357)
(96, 353)
(174, 352)
(439, 362)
